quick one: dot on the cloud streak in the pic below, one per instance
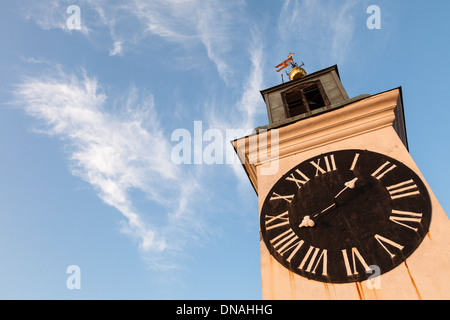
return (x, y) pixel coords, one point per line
(123, 151)
(117, 152)
(187, 23)
(324, 29)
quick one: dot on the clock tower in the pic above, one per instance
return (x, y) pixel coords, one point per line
(344, 211)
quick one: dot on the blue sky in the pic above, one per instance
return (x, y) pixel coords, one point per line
(87, 176)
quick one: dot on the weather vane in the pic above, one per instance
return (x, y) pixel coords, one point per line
(285, 63)
(296, 72)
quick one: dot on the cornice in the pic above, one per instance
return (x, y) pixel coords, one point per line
(357, 118)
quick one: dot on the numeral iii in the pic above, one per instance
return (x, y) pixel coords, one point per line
(403, 189)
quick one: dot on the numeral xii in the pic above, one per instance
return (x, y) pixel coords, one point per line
(327, 165)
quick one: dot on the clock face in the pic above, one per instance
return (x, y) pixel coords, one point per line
(340, 216)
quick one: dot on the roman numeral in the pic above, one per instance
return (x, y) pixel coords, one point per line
(299, 182)
(399, 217)
(281, 220)
(349, 267)
(403, 189)
(382, 239)
(355, 160)
(330, 165)
(315, 260)
(285, 242)
(276, 196)
(381, 171)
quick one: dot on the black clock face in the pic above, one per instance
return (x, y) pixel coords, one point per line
(339, 216)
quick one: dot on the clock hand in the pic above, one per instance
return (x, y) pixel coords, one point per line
(308, 222)
(325, 210)
(349, 184)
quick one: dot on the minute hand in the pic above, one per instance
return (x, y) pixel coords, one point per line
(349, 184)
(325, 210)
(309, 223)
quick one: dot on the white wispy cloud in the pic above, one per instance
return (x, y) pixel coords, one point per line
(121, 150)
(117, 151)
(188, 23)
(117, 50)
(242, 117)
(251, 104)
(321, 30)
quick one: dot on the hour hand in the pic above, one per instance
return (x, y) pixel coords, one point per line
(309, 223)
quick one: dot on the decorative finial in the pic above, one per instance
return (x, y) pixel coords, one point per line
(297, 71)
